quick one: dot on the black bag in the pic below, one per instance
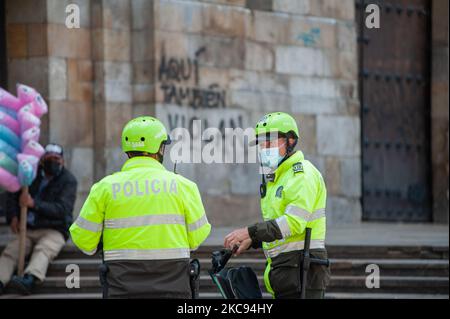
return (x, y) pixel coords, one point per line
(234, 283)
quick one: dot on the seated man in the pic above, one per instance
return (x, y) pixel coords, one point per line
(50, 204)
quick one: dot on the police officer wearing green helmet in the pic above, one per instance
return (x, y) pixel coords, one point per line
(148, 218)
(293, 198)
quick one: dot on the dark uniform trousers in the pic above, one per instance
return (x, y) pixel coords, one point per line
(155, 279)
(285, 275)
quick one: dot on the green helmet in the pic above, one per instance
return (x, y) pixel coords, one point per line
(144, 134)
(277, 122)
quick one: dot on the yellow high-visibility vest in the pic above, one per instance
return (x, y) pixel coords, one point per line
(296, 199)
(143, 212)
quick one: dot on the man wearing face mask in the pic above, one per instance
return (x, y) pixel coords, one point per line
(293, 198)
(50, 204)
(148, 219)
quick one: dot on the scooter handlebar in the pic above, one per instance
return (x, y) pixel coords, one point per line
(323, 262)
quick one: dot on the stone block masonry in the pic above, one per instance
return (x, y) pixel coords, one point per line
(225, 62)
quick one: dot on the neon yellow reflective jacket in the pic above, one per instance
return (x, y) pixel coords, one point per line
(143, 212)
(295, 199)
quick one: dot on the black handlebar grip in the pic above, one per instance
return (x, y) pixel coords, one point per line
(322, 262)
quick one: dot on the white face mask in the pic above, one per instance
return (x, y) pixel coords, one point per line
(270, 157)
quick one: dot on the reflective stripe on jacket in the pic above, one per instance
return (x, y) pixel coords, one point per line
(295, 200)
(143, 212)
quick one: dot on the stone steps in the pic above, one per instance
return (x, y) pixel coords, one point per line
(213, 295)
(388, 267)
(341, 284)
(388, 284)
(337, 252)
(409, 272)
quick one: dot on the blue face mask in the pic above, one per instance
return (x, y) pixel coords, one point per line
(270, 157)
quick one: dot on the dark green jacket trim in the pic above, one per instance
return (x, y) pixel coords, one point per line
(264, 232)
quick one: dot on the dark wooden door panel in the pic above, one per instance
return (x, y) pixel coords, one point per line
(395, 100)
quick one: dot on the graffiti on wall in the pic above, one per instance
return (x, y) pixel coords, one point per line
(221, 133)
(178, 118)
(184, 101)
(311, 37)
(176, 73)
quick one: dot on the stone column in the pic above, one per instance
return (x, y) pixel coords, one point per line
(26, 42)
(111, 41)
(143, 63)
(71, 85)
(45, 54)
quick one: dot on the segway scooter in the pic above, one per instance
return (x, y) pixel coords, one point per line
(242, 282)
(233, 283)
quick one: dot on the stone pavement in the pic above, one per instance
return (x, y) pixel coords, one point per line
(364, 234)
(372, 234)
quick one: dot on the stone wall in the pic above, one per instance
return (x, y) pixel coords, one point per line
(294, 56)
(250, 57)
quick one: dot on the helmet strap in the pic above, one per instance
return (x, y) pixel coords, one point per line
(289, 150)
(160, 154)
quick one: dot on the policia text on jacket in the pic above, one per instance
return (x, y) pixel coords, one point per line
(147, 233)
